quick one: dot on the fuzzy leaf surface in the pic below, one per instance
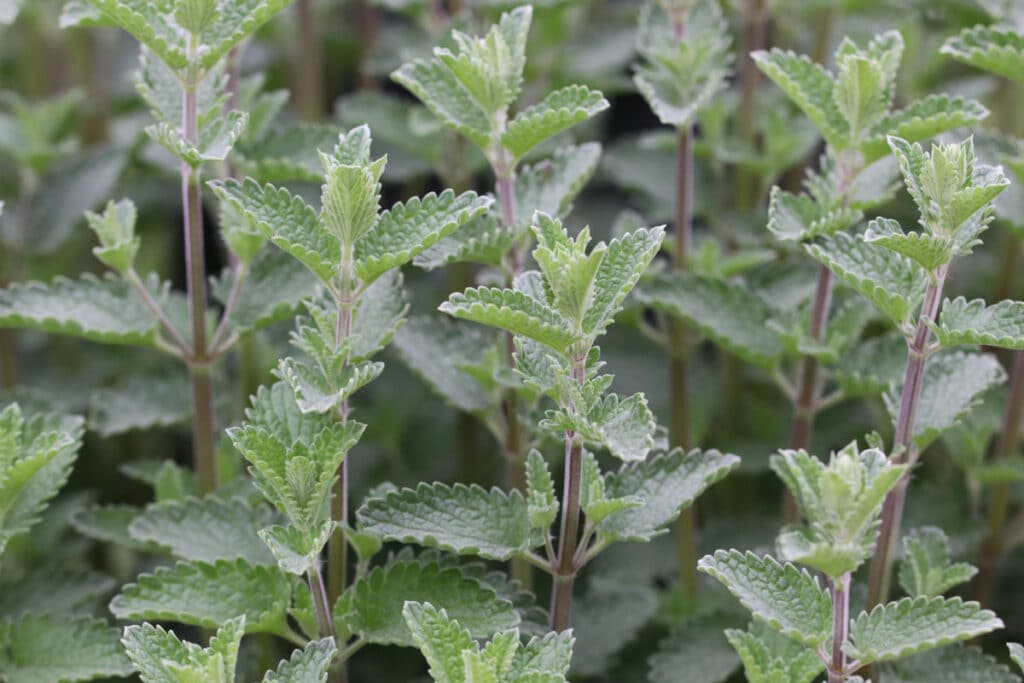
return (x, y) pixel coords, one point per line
(810, 88)
(467, 520)
(998, 49)
(952, 664)
(559, 111)
(308, 665)
(50, 649)
(513, 311)
(926, 569)
(972, 322)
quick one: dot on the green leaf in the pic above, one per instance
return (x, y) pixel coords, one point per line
(998, 49)
(606, 618)
(207, 595)
(696, 651)
(549, 654)
(922, 119)
(318, 393)
(115, 229)
(216, 139)
(953, 664)
(287, 154)
(666, 483)
(46, 649)
(926, 569)
(810, 88)
(1016, 654)
(106, 311)
(872, 366)
(160, 657)
(551, 185)
(150, 26)
(372, 607)
(769, 657)
(108, 523)
(467, 520)
(206, 529)
(286, 220)
(437, 349)
(624, 262)
(513, 311)
(954, 381)
(972, 322)
(406, 230)
(559, 111)
(727, 313)
(928, 250)
(308, 665)
(542, 505)
(625, 427)
(438, 88)
(141, 401)
(788, 599)
(892, 282)
(236, 21)
(909, 626)
(377, 317)
(482, 240)
(53, 589)
(442, 641)
(36, 456)
(296, 550)
(274, 287)
(799, 217)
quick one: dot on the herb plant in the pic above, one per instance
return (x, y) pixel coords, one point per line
(428, 388)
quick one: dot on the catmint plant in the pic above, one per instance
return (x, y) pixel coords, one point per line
(473, 88)
(557, 315)
(841, 502)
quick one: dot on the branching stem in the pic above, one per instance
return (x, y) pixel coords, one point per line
(903, 442)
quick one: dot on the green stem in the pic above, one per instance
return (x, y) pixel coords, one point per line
(754, 38)
(994, 545)
(903, 442)
(321, 605)
(679, 432)
(195, 273)
(564, 575)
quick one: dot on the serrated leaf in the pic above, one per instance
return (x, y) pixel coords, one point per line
(513, 311)
(929, 250)
(286, 220)
(921, 119)
(436, 348)
(769, 657)
(801, 217)
(297, 550)
(406, 230)
(781, 595)
(317, 393)
(372, 607)
(625, 427)
(287, 154)
(150, 26)
(998, 49)
(953, 664)
(727, 313)
(140, 402)
(108, 523)
(926, 569)
(378, 316)
(810, 88)
(666, 483)
(624, 262)
(236, 20)
(467, 520)
(483, 240)
(551, 185)
(206, 529)
(439, 89)
(106, 311)
(872, 366)
(46, 649)
(308, 665)
(441, 640)
(1016, 654)
(53, 589)
(216, 139)
(972, 322)
(203, 594)
(275, 286)
(540, 492)
(909, 626)
(892, 282)
(953, 383)
(160, 657)
(559, 111)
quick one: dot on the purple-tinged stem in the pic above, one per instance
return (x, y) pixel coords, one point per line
(840, 624)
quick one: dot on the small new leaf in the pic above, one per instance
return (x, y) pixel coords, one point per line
(926, 569)
(557, 112)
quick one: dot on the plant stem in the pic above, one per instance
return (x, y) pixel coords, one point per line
(903, 441)
(840, 623)
(568, 536)
(679, 433)
(754, 38)
(320, 603)
(195, 275)
(809, 390)
(515, 466)
(309, 79)
(994, 545)
(337, 550)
